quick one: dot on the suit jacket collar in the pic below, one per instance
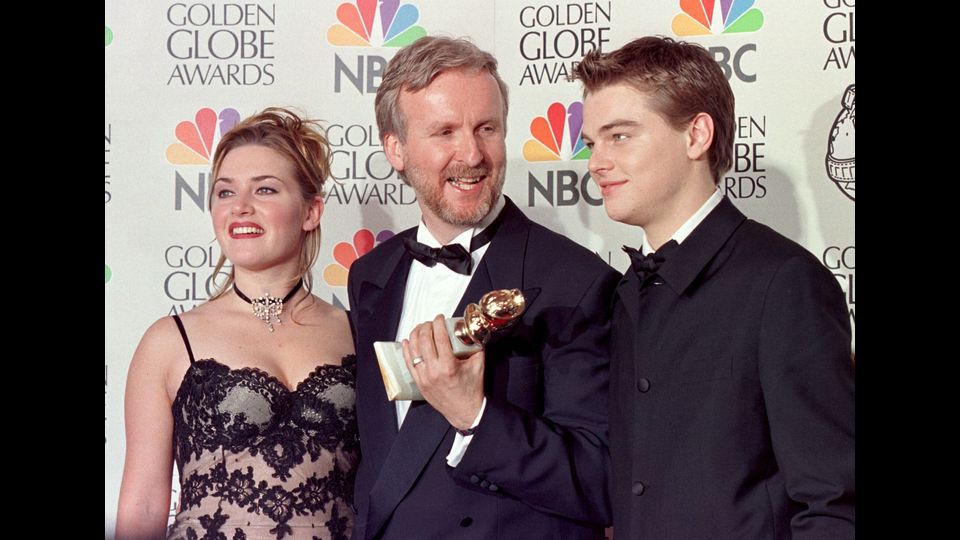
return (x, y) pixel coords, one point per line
(690, 258)
(424, 428)
(380, 299)
(503, 264)
(394, 259)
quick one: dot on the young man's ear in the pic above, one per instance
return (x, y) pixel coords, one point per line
(699, 136)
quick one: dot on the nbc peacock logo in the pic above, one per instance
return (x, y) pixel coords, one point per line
(548, 133)
(704, 17)
(356, 27)
(196, 140)
(345, 253)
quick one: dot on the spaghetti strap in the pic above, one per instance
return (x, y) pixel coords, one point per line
(183, 334)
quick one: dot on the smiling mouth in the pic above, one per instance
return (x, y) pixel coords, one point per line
(606, 187)
(465, 183)
(240, 231)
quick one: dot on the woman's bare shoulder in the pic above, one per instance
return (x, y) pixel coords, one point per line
(333, 327)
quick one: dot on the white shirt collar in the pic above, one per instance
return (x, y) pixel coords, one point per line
(690, 224)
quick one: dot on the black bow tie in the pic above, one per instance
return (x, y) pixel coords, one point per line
(647, 265)
(453, 256)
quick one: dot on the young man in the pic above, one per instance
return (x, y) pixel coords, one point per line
(732, 392)
(510, 443)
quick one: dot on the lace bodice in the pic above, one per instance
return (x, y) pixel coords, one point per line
(258, 460)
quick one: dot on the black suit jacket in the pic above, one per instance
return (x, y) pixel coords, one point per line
(538, 464)
(732, 392)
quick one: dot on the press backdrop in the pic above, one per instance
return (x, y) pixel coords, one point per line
(178, 74)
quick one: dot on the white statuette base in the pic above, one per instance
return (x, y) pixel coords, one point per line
(397, 380)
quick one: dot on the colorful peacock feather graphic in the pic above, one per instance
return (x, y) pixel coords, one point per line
(356, 27)
(548, 134)
(196, 139)
(344, 253)
(699, 18)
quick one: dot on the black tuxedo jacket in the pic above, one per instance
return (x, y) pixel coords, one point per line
(732, 392)
(538, 464)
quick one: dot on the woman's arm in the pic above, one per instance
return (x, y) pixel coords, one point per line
(145, 490)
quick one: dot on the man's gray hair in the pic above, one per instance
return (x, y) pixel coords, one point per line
(415, 66)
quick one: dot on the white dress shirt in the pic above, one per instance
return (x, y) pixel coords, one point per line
(432, 291)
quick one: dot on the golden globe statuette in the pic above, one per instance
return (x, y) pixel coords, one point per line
(495, 311)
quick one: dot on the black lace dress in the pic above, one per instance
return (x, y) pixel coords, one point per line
(260, 461)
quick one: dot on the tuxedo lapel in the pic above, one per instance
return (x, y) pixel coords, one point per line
(381, 299)
(502, 267)
(479, 285)
(504, 259)
(422, 431)
(696, 252)
(381, 296)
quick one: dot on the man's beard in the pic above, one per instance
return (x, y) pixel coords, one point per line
(431, 194)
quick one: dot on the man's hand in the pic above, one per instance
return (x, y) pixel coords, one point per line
(452, 386)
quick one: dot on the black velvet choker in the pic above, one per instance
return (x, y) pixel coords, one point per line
(268, 308)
